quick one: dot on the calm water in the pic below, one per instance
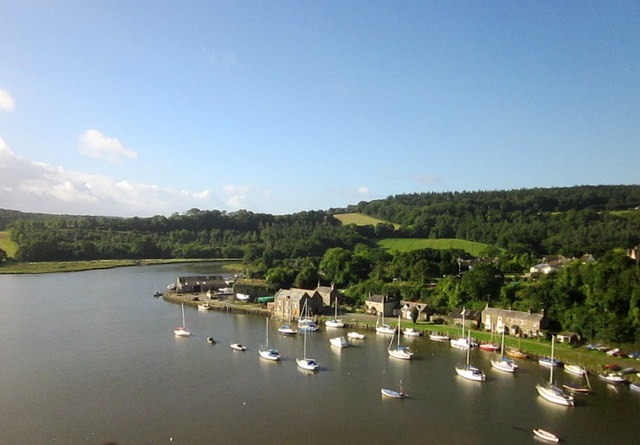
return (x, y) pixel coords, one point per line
(90, 357)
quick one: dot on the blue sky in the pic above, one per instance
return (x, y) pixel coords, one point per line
(139, 108)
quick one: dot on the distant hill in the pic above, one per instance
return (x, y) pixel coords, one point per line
(408, 244)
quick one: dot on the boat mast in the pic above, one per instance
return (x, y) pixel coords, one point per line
(551, 372)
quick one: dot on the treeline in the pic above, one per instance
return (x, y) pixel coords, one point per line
(567, 221)
(195, 234)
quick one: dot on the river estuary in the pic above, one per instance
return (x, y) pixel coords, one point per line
(90, 358)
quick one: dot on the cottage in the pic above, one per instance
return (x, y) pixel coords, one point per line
(471, 317)
(513, 322)
(568, 337)
(200, 283)
(329, 294)
(289, 303)
(406, 307)
(380, 304)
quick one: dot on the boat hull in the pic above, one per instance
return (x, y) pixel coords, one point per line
(555, 395)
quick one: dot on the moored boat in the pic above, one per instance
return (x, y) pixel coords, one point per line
(612, 377)
(546, 435)
(549, 391)
(411, 332)
(356, 336)
(575, 370)
(470, 372)
(504, 363)
(392, 393)
(401, 352)
(437, 336)
(339, 342)
(491, 347)
(182, 331)
(515, 352)
(237, 347)
(265, 351)
(287, 330)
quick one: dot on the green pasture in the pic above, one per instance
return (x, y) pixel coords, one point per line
(408, 244)
(361, 219)
(7, 245)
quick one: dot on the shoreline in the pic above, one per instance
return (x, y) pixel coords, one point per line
(39, 267)
(593, 364)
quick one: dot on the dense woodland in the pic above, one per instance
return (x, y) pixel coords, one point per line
(599, 300)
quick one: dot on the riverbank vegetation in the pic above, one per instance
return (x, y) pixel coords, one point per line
(498, 236)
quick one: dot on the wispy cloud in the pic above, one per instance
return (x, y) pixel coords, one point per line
(94, 144)
(6, 101)
(363, 191)
(38, 187)
(226, 59)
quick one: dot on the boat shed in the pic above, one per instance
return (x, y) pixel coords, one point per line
(200, 283)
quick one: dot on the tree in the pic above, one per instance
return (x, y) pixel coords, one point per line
(414, 314)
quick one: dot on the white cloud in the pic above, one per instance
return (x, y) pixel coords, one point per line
(363, 191)
(94, 144)
(237, 195)
(6, 101)
(37, 187)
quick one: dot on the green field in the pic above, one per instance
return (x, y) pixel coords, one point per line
(7, 245)
(408, 244)
(360, 219)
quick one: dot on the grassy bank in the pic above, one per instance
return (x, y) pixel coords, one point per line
(76, 266)
(408, 244)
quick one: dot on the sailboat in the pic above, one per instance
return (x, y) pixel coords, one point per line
(306, 323)
(470, 372)
(392, 393)
(551, 392)
(182, 331)
(335, 322)
(401, 352)
(381, 327)
(462, 342)
(309, 364)
(504, 363)
(265, 351)
(491, 346)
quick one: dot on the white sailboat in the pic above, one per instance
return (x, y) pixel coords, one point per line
(267, 352)
(549, 391)
(462, 342)
(381, 327)
(470, 372)
(504, 363)
(309, 364)
(401, 352)
(182, 331)
(335, 322)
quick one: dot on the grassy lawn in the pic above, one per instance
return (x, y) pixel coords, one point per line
(360, 219)
(408, 244)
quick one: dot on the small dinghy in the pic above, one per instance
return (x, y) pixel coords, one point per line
(546, 435)
(237, 347)
(210, 340)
